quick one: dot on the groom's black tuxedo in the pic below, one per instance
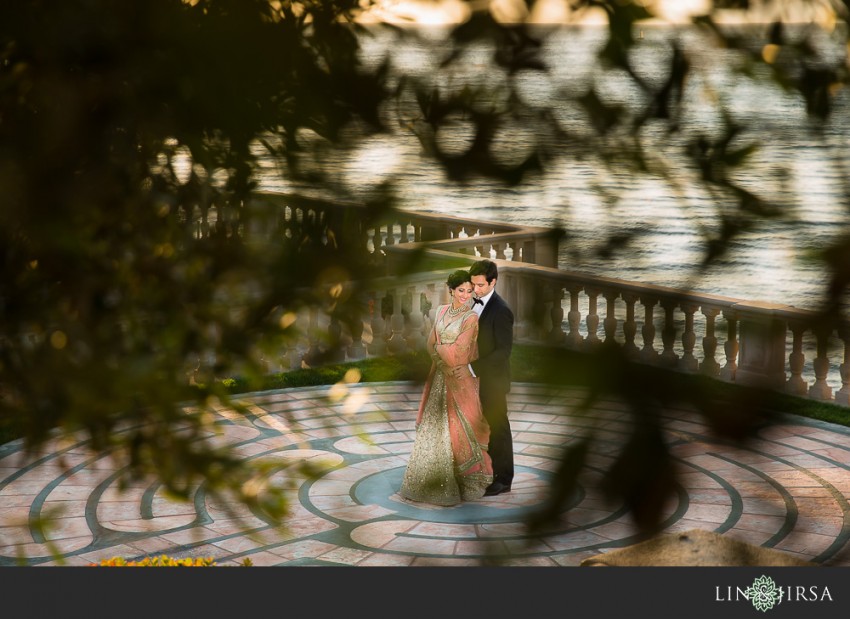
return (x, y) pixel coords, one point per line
(493, 368)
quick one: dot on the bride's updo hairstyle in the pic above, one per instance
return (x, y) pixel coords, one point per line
(457, 278)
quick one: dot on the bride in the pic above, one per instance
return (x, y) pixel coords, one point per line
(449, 462)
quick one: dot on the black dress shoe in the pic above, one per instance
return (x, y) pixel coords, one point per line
(497, 487)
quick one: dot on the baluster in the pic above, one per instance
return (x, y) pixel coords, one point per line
(335, 340)
(648, 353)
(668, 335)
(499, 251)
(479, 249)
(390, 234)
(630, 326)
(574, 318)
(377, 241)
(796, 361)
(709, 365)
(592, 319)
(294, 354)
(525, 305)
(396, 343)
(556, 313)
(363, 236)
(430, 310)
(730, 347)
(378, 345)
(314, 353)
(820, 390)
(609, 325)
(404, 233)
(688, 361)
(356, 350)
(537, 314)
(842, 396)
(527, 253)
(414, 337)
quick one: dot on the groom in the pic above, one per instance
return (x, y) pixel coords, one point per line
(493, 367)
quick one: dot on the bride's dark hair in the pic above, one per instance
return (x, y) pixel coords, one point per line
(457, 278)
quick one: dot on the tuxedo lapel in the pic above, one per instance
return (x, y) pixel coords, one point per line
(489, 309)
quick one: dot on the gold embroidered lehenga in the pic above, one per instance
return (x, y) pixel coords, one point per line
(449, 462)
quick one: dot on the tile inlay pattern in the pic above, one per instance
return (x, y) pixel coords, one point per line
(787, 489)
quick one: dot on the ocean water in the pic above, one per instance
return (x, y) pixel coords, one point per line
(799, 167)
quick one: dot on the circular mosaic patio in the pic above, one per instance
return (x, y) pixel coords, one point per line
(786, 490)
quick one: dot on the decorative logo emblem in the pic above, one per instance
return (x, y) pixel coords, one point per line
(764, 594)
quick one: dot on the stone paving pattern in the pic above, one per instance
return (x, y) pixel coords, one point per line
(788, 489)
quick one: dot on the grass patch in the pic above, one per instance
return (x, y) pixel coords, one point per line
(606, 371)
(412, 366)
(555, 366)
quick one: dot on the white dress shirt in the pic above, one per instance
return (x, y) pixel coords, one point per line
(478, 308)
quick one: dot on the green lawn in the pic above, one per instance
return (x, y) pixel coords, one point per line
(605, 371)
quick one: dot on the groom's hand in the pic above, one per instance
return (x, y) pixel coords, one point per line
(461, 371)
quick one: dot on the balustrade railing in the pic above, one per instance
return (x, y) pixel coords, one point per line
(378, 235)
(743, 341)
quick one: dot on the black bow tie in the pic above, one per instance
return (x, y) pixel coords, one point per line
(477, 302)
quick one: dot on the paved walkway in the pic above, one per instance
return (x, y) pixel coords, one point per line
(787, 490)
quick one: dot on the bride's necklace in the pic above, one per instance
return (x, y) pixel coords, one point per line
(459, 310)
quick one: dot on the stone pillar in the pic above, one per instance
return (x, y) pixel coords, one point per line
(630, 326)
(592, 320)
(414, 337)
(395, 343)
(648, 353)
(709, 365)
(574, 318)
(336, 346)
(529, 253)
(761, 360)
(357, 350)
(689, 362)
(377, 241)
(842, 396)
(519, 293)
(546, 250)
(796, 361)
(668, 335)
(557, 335)
(729, 370)
(820, 390)
(378, 346)
(609, 325)
(313, 354)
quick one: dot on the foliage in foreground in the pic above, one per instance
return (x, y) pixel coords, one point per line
(134, 135)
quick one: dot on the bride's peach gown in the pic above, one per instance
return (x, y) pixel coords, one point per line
(449, 462)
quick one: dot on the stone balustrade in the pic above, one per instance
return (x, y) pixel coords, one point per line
(743, 341)
(380, 233)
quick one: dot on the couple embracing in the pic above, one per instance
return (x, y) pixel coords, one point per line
(463, 448)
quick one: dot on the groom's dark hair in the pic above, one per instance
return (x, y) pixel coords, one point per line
(487, 268)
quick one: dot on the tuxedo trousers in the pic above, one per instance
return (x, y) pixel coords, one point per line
(494, 406)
